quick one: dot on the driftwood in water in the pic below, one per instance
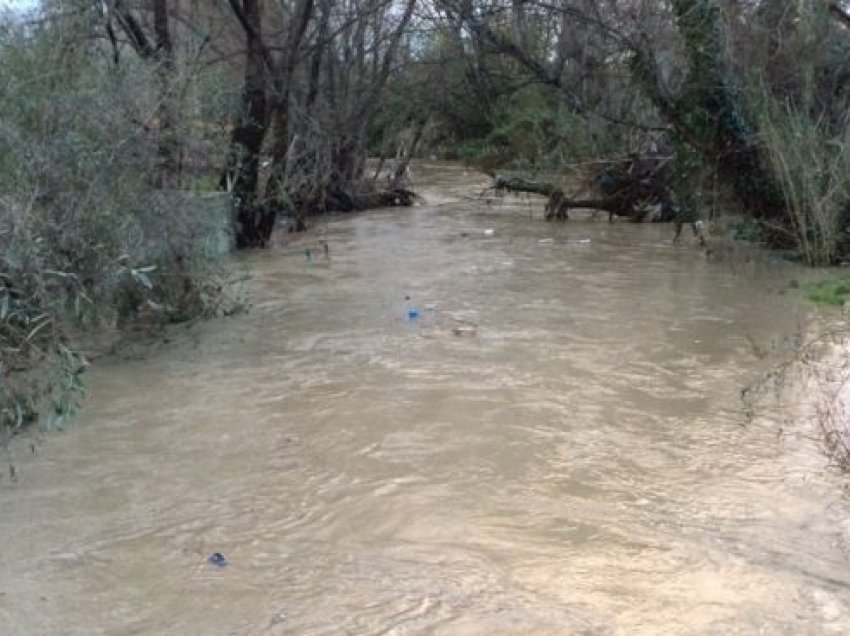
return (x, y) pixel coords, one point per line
(635, 188)
(501, 185)
(340, 200)
(358, 192)
(559, 204)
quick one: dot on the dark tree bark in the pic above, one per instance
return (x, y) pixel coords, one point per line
(131, 27)
(319, 51)
(168, 150)
(275, 194)
(253, 223)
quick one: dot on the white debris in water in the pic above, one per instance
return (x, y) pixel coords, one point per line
(489, 231)
(546, 240)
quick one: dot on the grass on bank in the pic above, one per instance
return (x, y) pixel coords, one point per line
(831, 292)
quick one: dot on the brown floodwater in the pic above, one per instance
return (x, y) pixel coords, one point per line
(556, 445)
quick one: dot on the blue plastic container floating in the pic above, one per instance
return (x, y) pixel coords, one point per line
(413, 315)
(218, 559)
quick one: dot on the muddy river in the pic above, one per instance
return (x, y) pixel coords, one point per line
(460, 420)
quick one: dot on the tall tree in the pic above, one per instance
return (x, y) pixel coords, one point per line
(275, 195)
(253, 221)
(168, 148)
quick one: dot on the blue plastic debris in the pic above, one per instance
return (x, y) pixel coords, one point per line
(413, 315)
(218, 560)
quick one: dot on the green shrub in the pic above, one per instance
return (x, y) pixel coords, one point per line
(85, 237)
(812, 165)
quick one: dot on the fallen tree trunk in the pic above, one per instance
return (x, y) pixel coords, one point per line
(630, 202)
(501, 185)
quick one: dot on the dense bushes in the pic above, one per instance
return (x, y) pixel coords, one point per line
(86, 239)
(752, 95)
(812, 166)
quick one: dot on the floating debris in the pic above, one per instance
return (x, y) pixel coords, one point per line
(218, 560)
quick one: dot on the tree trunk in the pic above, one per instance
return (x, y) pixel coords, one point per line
(167, 145)
(253, 223)
(407, 153)
(629, 189)
(132, 28)
(275, 194)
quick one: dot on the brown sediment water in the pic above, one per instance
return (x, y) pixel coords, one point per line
(555, 445)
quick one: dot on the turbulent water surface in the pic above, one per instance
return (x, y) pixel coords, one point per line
(555, 444)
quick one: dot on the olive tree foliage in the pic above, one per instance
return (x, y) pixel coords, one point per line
(87, 236)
